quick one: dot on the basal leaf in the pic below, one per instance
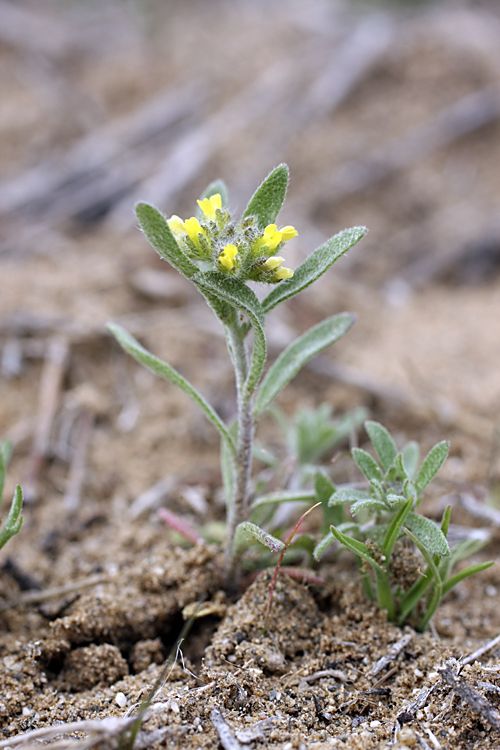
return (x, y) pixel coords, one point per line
(369, 502)
(267, 200)
(323, 545)
(346, 495)
(159, 235)
(14, 520)
(383, 443)
(428, 533)
(165, 371)
(248, 533)
(431, 465)
(394, 529)
(323, 488)
(367, 464)
(295, 356)
(410, 456)
(470, 571)
(237, 294)
(314, 266)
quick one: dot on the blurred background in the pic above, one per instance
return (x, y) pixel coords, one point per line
(388, 115)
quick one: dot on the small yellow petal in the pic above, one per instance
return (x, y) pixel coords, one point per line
(227, 256)
(288, 233)
(273, 262)
(193, 229)
(283, 273)
(210, 205)
(176, 225)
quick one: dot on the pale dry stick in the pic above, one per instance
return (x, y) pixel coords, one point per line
(86, 164)
(152, 497)
(78, 465)
(465, 116)
(108, 727)
(35, 597)
(392, 654)
(48, 399)
(477, 702)
(481, 651)
(189, 153)
(227, 740)
(479, 510)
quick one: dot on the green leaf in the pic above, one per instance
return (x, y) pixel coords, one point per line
(383, 443)
(392, 532)
(165, 371)
(431, 465)
(14, 520)
(359, 549)
(248, 533)
(346, 495)
(470, 571)
(320, 548)
(370, 502)
(314, 266)
(367, 464)
(297, 354)
(242, 298)
(218, 186)
(409, 457)
(267, 200)
(428, 533)
(323, 488)
(159, 235)
(285, 496)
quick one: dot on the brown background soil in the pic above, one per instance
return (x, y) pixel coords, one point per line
(356, 99)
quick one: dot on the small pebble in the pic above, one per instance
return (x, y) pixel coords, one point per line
(121, 700)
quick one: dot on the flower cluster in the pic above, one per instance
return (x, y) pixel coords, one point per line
(242, 251)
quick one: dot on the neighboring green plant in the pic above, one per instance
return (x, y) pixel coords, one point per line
(387, 512)
(220, 255)
(14, 520)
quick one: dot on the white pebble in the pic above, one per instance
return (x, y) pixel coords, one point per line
(121, 700)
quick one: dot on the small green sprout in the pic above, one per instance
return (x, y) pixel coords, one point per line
(14, 520)
(220, 255)
(388, 512)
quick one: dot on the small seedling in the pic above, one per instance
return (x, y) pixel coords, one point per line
(220, 255)
(386, 512)
(14, 520)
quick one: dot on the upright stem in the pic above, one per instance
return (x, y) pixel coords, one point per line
(238, 510)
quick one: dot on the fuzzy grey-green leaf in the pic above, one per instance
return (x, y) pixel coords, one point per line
(159, 235)
(383, 443)
(314, 266)
(346, 495)
(431, 465)
(295, 356)
(248, 533)
(428, 533)
(367, 464)
(218, 186)
(267, 200)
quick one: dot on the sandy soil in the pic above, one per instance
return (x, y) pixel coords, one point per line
(423, 358)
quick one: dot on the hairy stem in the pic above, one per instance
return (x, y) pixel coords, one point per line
(238, 509)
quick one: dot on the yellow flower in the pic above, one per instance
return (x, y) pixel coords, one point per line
(193, 229)
(283, 273)
(273, 236)
(210, 205)
(273, 264)
(177, 226)
(227, 256)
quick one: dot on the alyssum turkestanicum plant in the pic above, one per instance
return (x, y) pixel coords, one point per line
(220, 255)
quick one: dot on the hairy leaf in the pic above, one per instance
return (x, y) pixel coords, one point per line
(428, 533)
(159, 235)
(346, 495)
(314, 266)
(367, 464)
(409, 457)
(431, 465)
(218, 186)
(267, 200)
(295, 356)
(383, 443)
(14, 520)
(370, 502)
(285, 496)
(248, 533)
(394, 529)
(165, 371)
